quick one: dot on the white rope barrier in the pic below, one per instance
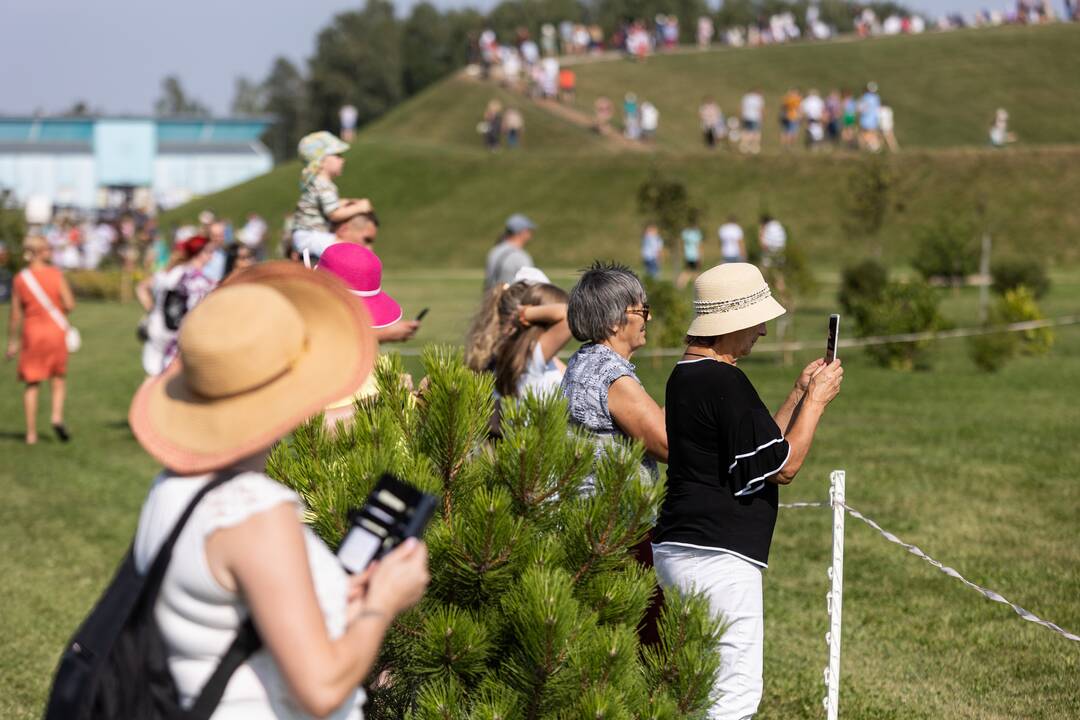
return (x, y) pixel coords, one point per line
(852, 343)
(985, 592)
(804, 505)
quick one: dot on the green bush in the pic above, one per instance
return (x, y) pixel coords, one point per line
(947, 250)
(901, 308)
(95, 284)
(1011, 273)
(861, 285)
(991, 352)
(535, 597)
(672, 312)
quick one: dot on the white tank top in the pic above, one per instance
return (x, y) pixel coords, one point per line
(199, 618)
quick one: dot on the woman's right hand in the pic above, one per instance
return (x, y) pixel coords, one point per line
(825, 384)
(400, 578)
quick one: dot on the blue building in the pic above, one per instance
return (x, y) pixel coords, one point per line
(88, 162)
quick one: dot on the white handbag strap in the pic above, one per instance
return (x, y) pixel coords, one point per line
(39, 294)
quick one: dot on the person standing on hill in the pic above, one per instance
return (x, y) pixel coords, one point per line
(870, 118)
(508, 256)
(711, 121)
(790, 117)
(652, 250)
(691, 246)
(37, 331)
(320, 205)
(732, 241)
(514, 124)
(650, 121)
(813, 110)
(753, 110)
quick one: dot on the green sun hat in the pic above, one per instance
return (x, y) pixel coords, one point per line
(316, 146)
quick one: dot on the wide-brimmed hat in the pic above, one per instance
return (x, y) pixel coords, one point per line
(267, 350)
(730, 297)
(361, 270)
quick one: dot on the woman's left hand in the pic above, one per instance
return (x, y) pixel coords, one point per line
(803, 382)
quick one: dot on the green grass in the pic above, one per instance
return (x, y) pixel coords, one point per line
(443, 199)
(943, 87)
(975, 469)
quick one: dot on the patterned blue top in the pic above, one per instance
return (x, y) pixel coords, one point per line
(589, 374)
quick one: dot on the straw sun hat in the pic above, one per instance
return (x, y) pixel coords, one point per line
(730, 297)
(258, 356)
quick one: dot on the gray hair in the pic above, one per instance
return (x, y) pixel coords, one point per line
(599, 300)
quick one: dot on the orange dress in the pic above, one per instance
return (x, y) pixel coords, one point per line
(43, 353)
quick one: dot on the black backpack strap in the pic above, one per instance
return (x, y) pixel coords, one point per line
(247, 642)
(156, 573)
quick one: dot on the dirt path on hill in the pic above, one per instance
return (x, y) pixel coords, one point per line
(571, 115)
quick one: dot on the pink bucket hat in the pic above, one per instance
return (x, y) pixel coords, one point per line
(361, 270)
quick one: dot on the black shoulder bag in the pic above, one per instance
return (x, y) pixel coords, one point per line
(116, 665)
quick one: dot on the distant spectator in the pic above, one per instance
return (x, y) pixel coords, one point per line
(691, 237)
(320, 205)
(603, 110)
(549, 77)
(215, 268)
(790, 116)
(772, 238)
(753, 110)
(1000, 136)
(515, 126)
(834, 116)
(652, 250)
(253, 234)
(870, 118)
(850, 105)
(887, 123)
(491, 125)
(509, 256)
(732, 241)
(631, 118)
(167, 296)
(237, 257)
(705, 31)
(567, 85)
(650, 121)
(711, 121)
(37, 329)
(813, 111)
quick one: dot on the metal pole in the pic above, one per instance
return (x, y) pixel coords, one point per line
(835, 596)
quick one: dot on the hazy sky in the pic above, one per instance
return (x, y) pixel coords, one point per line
(114, 53)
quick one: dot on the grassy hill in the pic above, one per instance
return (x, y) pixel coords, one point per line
(443, 198)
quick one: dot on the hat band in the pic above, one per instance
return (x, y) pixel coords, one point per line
(702, 307)
(367, 293)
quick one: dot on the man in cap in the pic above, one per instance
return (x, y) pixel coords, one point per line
(508, 256)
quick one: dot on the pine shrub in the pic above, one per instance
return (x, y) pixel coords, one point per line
(1011, 273)
(946, 250)
(535, 599)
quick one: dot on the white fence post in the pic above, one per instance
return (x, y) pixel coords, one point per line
(835, 598)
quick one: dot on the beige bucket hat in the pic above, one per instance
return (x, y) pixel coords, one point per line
(730, 297)
(264, 352)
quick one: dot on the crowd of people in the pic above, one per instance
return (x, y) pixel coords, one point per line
(838, 119)
(640, 38)
(302, 338)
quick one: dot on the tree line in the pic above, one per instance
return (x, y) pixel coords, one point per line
(372, 59)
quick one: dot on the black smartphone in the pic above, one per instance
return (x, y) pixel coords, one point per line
(393, 512)
(421, 314)
(834, 336)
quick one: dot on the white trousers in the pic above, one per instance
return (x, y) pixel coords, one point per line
(733, 588)
(312, 243)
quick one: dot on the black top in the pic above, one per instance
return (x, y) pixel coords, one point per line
(722, 445)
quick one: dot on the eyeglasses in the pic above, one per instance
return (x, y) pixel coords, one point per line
(643, 313)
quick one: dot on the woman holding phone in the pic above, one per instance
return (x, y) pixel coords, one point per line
(727, 457)
(257, 357)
